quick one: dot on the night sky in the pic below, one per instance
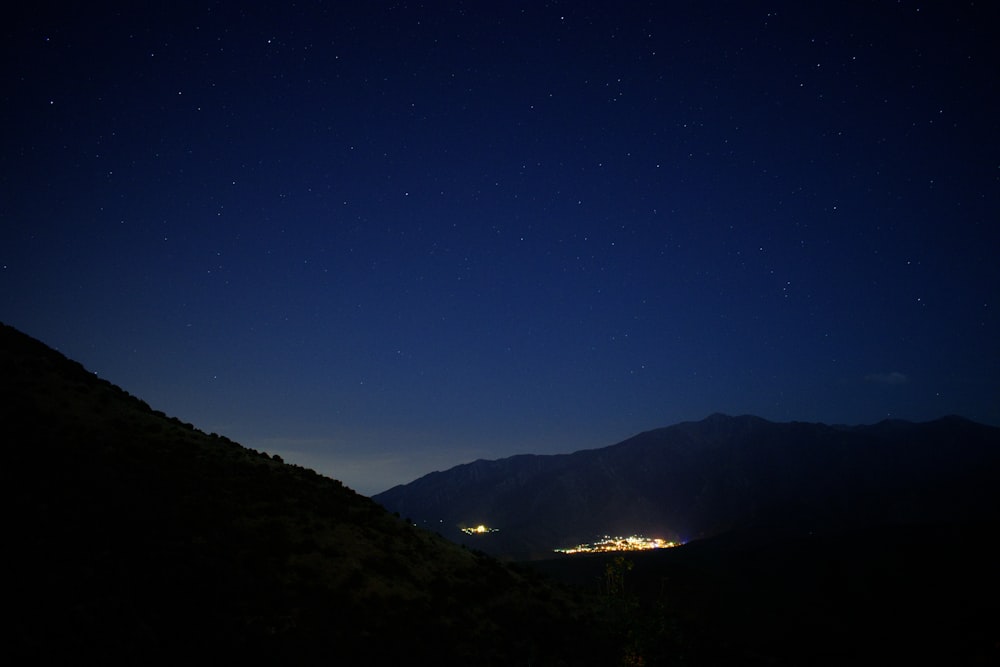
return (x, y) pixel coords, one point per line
(381, 239)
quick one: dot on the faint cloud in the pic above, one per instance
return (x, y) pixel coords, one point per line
(893, 378)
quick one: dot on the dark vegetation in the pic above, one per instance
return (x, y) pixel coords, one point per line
(135, 538)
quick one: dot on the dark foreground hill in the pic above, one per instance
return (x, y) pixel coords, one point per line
(133, 537)
(892, 595)
(701, 479)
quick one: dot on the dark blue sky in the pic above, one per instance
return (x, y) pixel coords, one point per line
(386, 238)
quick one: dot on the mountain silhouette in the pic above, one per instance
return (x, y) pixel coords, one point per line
(702, 479)
(134, 537)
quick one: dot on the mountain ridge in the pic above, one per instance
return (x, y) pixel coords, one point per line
(702, 478)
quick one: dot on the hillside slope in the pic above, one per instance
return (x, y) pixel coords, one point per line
(133, 534)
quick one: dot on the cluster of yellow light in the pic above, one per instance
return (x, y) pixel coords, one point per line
(631, 543)
(479, 530)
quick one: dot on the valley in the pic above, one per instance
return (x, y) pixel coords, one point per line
(137, 535)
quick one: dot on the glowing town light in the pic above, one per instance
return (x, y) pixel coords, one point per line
(630, 543)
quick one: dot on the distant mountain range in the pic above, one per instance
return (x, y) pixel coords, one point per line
(722, 474)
